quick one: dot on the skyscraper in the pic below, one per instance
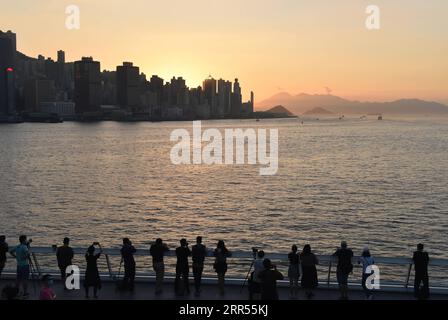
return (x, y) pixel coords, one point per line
(236, 99)
(224, 97)
(87, 85)
(209, 88)
(60, 77)
(7, 74)
(37, 91)
(128, 79)
(156, 86)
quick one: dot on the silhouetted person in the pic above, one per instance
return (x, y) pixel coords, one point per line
(3, 250)
(47, 293)
(221, 254)
(269, 277)
(294, 271)
(256, 281)
(127, 256)
(344, 268)
(182, 268)
(366, 260)
(157, 251)
(309, 279)
(22, 255)
(92, 275)
(64, 255)
(421, 260)
(198, 253)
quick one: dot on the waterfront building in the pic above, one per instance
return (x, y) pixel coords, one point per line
(128, 81)
(7, 73)
(87, 85)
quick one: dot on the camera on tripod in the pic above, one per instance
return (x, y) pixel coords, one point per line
(254, 252)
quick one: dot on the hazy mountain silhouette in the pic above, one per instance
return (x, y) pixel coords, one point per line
(318, 111)
(281, 110)
(303, 102)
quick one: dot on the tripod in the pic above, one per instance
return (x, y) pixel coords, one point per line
(34, 270)
(248, 272)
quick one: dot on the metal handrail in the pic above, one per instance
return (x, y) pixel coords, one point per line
(249, 255)
(323, 260)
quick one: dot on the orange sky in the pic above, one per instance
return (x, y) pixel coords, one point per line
(271, 45)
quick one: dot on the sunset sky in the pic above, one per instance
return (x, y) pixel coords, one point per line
(270, 45)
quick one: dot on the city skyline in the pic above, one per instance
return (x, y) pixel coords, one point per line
(288, 46)
(46, 90)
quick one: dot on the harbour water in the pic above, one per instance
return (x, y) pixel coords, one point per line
(381, 183)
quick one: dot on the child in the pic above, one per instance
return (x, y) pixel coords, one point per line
(47, 292)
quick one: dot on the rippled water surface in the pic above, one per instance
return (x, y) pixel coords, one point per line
(382, 183)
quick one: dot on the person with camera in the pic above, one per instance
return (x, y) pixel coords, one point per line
(127, 257)
(22, 255)
(269, 277)
(157, 251)
(64, 255)
(92, 275)
(198, 252)
(221, 254)
(3, 250)
(182, 269)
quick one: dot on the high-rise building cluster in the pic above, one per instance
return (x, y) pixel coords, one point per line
(80, 90)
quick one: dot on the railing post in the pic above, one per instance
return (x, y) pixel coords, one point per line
(329, 274)
(409, 275)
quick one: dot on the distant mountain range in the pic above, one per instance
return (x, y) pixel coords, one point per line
(303, 103)
(318, 111)
(280, 110)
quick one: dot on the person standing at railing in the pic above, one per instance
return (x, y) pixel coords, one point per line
(22, 255)
(256, 281)
(92, 275)
(127, 256)
(309, 279)
(198, 252)
(3, 250)
(269, 277)
(294, 271)
(64, 255)
(421, 260)
(366, 260)
(344, 268)
(221, 254)
(182, 269)
(157, 251)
